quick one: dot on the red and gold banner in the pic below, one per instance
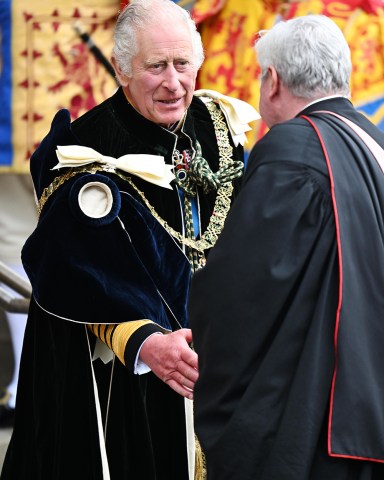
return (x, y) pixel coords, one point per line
(46, 66)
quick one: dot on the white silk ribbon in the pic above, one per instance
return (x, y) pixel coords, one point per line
(151, 168)
(237, 113)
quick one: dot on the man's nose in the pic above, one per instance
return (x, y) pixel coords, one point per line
(171, 78)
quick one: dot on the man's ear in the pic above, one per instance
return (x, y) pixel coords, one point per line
(274, 81)
(121, 77)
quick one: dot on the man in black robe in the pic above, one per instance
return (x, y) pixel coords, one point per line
(287, 315)
(127, 196)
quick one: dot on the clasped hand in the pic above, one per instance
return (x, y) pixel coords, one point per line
(171, 359)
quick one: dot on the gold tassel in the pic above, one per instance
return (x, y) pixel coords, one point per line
(200, 466)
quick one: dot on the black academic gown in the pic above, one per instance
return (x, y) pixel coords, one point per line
(122, 267)
(287, 315)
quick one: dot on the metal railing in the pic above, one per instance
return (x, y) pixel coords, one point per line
(18, 284)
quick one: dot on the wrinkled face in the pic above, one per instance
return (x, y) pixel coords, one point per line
(163, 73)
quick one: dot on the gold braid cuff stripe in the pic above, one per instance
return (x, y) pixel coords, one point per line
(223, 197)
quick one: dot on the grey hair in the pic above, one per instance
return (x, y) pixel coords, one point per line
(310, 55)
(139, 14)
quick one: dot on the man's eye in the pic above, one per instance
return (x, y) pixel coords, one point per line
(181, 65)
(156, 67)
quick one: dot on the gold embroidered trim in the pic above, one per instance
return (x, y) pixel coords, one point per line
(116, 336)
(122, 334)
(223, 197)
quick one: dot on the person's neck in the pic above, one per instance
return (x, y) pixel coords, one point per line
(328, 97)
(292, 106)
(176, 126)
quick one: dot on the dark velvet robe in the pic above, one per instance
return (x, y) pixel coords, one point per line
(287, 316)
(122, 267)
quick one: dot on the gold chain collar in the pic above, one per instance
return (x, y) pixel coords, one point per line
(223, 197)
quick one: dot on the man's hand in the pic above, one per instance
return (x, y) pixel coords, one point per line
(171, 358)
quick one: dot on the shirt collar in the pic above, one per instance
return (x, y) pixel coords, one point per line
(324, 98)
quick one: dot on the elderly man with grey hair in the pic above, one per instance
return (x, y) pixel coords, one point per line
(287, 315)
(132, 195)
